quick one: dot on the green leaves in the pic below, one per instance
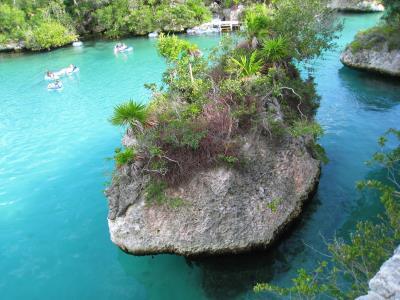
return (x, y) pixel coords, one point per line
(275, 50)
(124, 157)
(172, 48)
(257, 20)
(129, 113)
(304, 128)
(248, 66)
(49, 34)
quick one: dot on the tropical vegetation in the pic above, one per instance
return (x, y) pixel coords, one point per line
(247, 86)
(385, 34)
(46, 24)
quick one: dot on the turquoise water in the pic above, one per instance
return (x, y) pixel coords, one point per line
(54, 241)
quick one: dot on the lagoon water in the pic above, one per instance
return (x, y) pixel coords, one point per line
(54, 241)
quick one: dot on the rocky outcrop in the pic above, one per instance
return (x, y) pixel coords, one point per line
(12, 46)
(385, 285)
(357, 5)
(222, 209)
(376, 59)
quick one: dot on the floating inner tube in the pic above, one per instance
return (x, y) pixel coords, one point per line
(54, 77)
(55, 86)
(128, 49)
(75, 70)
(77, 44)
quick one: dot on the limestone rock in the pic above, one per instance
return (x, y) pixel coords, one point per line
(12, 46)
(385, 285)
(225, 210)
(357, 5)
(378, 60)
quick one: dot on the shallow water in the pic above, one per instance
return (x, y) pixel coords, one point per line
(54, 241)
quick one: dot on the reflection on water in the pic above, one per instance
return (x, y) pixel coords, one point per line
(371, 91)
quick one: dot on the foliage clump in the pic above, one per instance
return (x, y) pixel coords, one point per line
(200, 115)
(385, 33)
(44, 24)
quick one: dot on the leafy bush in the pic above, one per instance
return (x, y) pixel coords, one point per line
(295, 21)
(49, 34)
(247, 66)
(199, 115)
(306, 128)
(121, 17)
(275, 49)
(12, 23)
(124, 157)
(376, 38)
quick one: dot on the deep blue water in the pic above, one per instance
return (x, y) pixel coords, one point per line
(54, 241)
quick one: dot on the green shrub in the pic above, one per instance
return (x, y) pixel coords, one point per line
(228, 159)
(48, 35)
(376, 38)
(155, 194)
(275, 50)
(12, 23)
(306, 128)
(247, 66)
(124, 157)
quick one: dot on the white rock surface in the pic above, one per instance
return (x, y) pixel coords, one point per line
(385, 285)
(357, 5)
(376, 60)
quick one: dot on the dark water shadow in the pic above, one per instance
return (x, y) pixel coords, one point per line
(372, 91)
(367, 206)
(230, 276)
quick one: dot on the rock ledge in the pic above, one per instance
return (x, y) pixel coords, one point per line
(225, 210)
(380, 61)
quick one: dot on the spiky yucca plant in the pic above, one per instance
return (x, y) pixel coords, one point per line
(275, 50)
(130, 113)
(248, 66)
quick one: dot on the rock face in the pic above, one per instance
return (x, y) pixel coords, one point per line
(357, 5)
(224, 210)
(12, 46)
(386, 283)
(378, 60)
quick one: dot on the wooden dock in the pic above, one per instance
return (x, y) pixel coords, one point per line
(225, 26)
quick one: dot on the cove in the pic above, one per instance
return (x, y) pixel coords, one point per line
(54, 241)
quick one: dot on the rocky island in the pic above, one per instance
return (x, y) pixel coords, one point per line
(224, 158)
(377, 49)
(357, 5)
(223, 210)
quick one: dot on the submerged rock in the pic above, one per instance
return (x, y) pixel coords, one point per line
(219, 210)
(357, 5)
(375, 59)
(385, 285)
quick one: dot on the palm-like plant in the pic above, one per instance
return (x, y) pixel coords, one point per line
(248, 66)
(275, 50)
(130, 113)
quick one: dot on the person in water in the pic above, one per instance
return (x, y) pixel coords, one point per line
(71, 68)
(50, 74)
(120, 46)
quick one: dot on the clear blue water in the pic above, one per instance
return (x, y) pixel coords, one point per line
(54, 241)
